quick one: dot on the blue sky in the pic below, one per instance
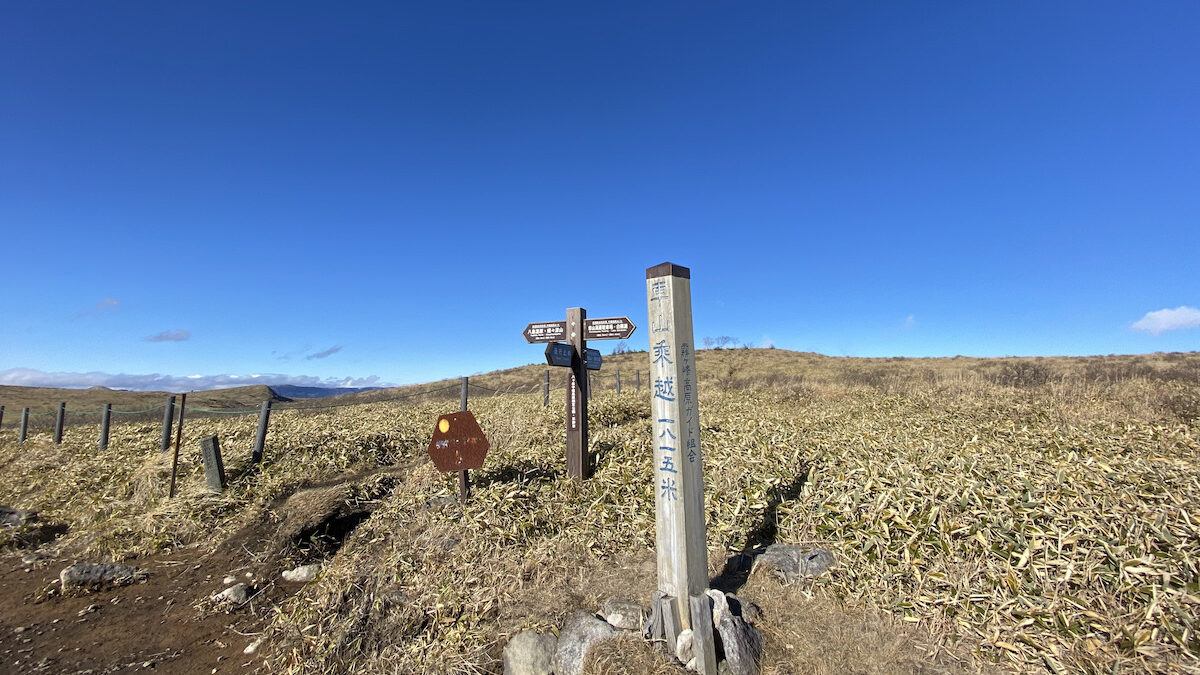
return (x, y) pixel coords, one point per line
(389, 192)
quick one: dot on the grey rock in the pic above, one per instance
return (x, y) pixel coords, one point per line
(95, 576)
(11, 517)
(741, 642)
(624, 615)
(789, 562)
(236, 595)
(749, 611)
(530, 653)
(302, 574)
(253, 646)
(685, 647)
(230, 579)
(582, 631)
(438, 502)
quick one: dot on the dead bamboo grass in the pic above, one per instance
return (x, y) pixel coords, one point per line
(1024, 528)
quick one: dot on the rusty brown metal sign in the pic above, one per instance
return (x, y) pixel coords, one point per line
(545, 331)
(612, 328)
(458, 443)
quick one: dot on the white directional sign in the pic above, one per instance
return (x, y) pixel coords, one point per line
(614, 328)
(575, 332)
(545, 331)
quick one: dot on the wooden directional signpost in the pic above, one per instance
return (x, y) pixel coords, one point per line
(574, 355)
(678, 464)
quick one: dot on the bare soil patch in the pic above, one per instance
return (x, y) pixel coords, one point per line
(167, 623)
(163, 624)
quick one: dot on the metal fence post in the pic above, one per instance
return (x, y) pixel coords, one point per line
(464, 480)
(546, 390)
(178, 440)
(260, 440)
(58, 422)
(105, 420)
(168, 416)
(618, 380)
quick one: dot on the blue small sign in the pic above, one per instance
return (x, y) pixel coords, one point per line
(558, 354)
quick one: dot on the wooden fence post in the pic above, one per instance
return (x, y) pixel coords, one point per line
(24, 425)
(260, 439)
(105, 421)
(618, 380)
(59, 421)
(1, 416)
(637, 374)
(168, 417)
(546, 390)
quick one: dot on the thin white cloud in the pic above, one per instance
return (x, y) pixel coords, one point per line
(105, 305)
(1162, 320)
(766, 342)
(322, 354)
(28, 377)
(910, 322)
(169, 336)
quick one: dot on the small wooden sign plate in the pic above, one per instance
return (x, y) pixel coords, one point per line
(458, 443)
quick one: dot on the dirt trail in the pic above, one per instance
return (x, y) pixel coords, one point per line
(162, 625)
(166, 624)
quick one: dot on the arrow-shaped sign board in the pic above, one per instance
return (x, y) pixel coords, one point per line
(545, 331)
(612, 328)
(559, 354)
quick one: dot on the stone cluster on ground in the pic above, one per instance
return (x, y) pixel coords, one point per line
(86, 576)
(739, 644)
(534, 653)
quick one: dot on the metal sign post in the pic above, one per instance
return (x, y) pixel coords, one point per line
(575, 355)
(678, 460)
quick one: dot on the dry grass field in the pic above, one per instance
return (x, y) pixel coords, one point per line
(987, 515)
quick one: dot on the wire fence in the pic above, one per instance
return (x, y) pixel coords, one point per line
(26, 420)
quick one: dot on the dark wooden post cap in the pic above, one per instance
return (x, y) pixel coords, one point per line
(668, 270)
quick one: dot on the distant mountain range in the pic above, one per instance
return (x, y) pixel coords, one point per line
(295, 391)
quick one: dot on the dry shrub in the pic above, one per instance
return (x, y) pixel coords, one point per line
(807, 635)
(627, 654)
(1029, 527)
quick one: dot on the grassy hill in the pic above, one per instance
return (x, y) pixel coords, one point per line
(987, 515)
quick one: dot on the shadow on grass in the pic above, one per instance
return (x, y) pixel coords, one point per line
(520, 473)
(737, 567)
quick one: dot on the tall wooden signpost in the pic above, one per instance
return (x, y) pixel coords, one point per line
(678, 461)
(574, 355)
